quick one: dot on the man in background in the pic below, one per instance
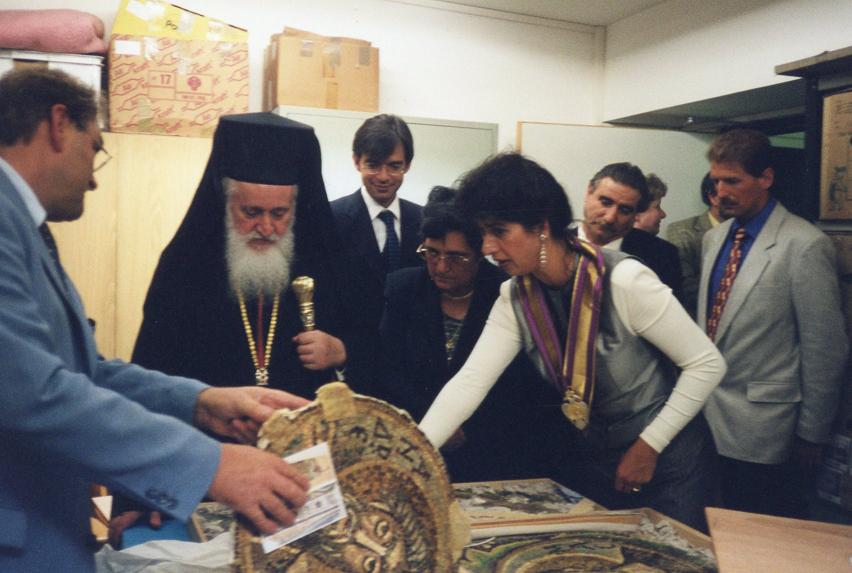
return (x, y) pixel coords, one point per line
(687, 235)
(67, 416)
(380, 229)
(769, 298)
(649, 220)
(614, 197)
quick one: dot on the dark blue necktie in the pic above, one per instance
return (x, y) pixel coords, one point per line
(391, 250)
(50, 243)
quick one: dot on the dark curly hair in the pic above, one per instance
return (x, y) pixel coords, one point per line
(626, 174)
(441, 216)
(510, 187)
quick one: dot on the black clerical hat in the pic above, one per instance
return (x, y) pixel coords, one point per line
(255, 148)
(265, 148)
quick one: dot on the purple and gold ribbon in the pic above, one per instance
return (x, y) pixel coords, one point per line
(574, 368)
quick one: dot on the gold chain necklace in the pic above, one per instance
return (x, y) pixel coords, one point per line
(261, 371)
(462, 297)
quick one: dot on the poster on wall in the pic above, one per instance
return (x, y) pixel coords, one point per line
(836, 172)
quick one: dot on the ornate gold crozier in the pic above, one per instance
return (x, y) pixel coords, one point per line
(304, 288)
(402, 515)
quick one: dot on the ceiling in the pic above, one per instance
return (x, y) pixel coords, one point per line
(590, 12)
(775, 109)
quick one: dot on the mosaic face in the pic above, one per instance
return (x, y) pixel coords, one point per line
(397, 494)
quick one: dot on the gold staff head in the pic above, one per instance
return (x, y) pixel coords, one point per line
(304, 288)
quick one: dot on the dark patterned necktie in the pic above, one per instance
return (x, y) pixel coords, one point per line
(50, 243)
(731, 269)
(391, 250)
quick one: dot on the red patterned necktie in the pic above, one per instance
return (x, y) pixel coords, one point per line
(731, 268)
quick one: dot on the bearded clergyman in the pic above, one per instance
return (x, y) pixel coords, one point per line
(220, 307)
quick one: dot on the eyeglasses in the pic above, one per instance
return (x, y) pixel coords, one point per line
(431, 255)
(394, 169)
(104, 160)
(99, 148)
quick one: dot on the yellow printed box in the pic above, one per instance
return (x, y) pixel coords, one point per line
(174, 72)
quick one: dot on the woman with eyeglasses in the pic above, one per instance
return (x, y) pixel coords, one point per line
(433, 316)
(627, 370)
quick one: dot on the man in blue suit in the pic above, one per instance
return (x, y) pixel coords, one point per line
(69, 417)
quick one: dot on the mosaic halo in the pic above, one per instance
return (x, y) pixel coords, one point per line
(401, 513)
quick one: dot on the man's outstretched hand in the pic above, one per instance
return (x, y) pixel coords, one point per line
(260, 486)
(239, 412)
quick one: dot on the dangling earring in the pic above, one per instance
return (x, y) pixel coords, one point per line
(542, 250)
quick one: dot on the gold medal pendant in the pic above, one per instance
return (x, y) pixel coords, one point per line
(576, 410)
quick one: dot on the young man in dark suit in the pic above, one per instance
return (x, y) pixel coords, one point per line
(380, 229)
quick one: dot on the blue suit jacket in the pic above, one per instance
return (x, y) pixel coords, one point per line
(68, 417)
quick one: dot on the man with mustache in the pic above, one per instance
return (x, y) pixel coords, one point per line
(769, 298)
(615, 195)
(220, 306)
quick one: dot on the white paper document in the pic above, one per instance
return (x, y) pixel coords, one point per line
(325, 500)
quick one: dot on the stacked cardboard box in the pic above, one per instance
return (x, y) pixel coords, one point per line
(174, 72)
(306, 69)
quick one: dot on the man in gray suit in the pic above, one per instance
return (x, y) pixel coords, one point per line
(779, 327)
(67, 416)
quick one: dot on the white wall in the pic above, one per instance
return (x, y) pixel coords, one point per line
(434, 62)
(687, 50)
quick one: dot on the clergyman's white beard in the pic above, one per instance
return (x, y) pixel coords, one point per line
(252, 272)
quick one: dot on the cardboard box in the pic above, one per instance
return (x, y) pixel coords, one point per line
(174, 72)
(309, 70)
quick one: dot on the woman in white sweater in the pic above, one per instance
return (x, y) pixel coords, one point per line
(627, 366)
